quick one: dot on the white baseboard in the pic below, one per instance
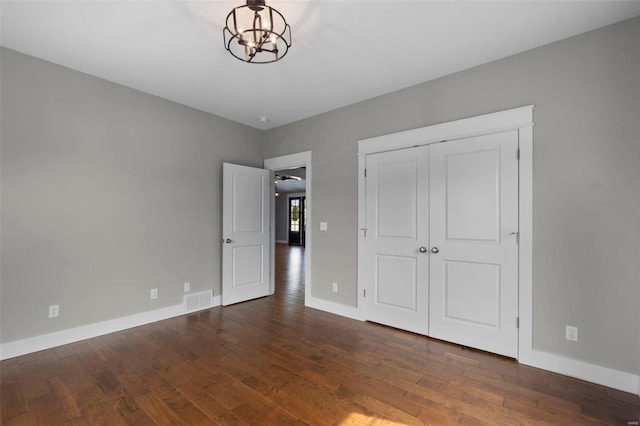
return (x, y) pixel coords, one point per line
(71, 335)
(334, 308)
(604, 376)
(282, 241)
(216, 301)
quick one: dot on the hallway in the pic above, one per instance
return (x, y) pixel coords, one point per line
(289, 262)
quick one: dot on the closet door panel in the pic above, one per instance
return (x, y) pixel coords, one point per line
(396, 271)
(473, 283)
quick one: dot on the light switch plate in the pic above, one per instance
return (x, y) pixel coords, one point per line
(323, 226)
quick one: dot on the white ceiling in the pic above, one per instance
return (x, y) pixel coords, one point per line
(343, 51)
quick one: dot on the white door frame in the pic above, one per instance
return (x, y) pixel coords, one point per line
(520, 119)
(300, 159)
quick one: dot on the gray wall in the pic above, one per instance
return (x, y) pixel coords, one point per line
(586, 181)
(282, 217)
(107, 192)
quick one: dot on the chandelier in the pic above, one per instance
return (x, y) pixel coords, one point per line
(257, 33)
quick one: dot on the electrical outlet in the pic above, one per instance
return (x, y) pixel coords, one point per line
(54, 311)
(335, 287)
(571, 333)
(154, 293)
(187, 287)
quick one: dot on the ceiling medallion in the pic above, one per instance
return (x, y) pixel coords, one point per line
(257, 33)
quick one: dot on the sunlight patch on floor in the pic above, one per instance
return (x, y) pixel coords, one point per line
(363, 419)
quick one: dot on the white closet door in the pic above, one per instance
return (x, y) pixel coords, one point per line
(397, 226)
(474, 256)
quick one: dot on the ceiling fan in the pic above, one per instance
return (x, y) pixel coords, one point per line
(280, 177)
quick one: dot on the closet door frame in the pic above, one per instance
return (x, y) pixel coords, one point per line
(520, 119)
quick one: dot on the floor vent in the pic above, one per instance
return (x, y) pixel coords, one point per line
(197, 301)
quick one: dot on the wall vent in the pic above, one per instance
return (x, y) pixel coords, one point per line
(197, 301)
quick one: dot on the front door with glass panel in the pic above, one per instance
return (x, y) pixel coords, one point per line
(297, 216)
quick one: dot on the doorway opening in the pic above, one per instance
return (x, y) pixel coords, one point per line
(291, 223)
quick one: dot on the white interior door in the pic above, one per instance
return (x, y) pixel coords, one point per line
(397, 226)
(245, 232)
(473, 230)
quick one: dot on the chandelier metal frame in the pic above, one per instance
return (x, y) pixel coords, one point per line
(261, 43)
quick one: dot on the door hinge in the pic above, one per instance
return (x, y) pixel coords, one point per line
(365, 231)
(365, 292)
(518, 154)
(517, 235)
(365, 172)
(517, 322)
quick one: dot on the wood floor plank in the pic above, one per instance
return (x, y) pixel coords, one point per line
(46, 410)
(13, 402)
(158, 410)
(64, 351)
(384, 411)
(274, 361)
(206, 403)
(25, 419)
(130, 411)
(185, 409)
(10, 371)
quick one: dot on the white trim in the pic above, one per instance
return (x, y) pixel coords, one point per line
(282, 242)
(520, 119)
(334, 308)
(486, 124)
(300, 159)
(215, 301)
(604, 376)
(71, 335)
(199, 298)
(362, 220)
(525, 246)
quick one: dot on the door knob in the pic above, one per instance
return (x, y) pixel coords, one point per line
(228, 241)
(422, 249)
(435, 250)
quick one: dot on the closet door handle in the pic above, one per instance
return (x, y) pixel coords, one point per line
(435, 250)
(422, 249)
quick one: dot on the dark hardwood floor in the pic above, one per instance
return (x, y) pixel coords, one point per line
(273, 361)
